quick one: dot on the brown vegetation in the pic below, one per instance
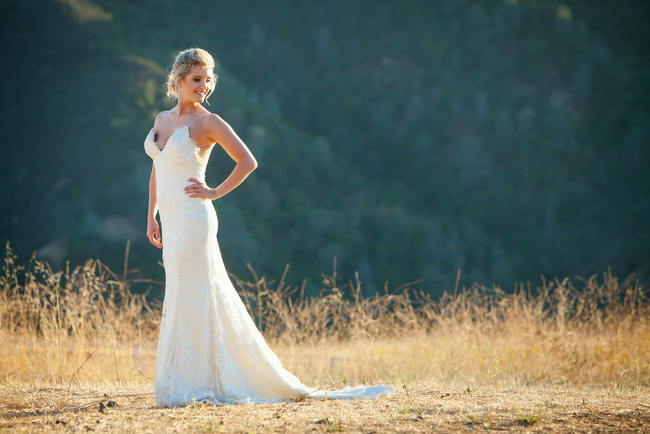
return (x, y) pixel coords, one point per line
(82, 327)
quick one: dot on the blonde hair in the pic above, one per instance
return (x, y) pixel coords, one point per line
(185, 61)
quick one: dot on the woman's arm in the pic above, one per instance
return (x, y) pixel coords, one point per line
(219, 131)
(153, 230)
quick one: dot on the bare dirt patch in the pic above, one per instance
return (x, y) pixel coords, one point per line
(419, 408)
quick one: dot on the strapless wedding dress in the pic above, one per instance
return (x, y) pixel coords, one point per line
(209, 348)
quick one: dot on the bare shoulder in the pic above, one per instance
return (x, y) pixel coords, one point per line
(214, 126)
(159, 118)
(212, 120)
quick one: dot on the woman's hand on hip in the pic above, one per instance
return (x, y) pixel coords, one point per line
(153, 232)
(199, 189)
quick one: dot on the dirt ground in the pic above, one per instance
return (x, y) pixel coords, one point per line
(415, 408)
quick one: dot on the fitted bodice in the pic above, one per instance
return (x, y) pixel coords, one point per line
(184, 149)
(177, 162)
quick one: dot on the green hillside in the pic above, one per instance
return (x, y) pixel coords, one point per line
(408, 139)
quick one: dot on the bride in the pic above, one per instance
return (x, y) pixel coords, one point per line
(209, 348)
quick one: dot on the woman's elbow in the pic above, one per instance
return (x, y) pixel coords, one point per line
(250, 164)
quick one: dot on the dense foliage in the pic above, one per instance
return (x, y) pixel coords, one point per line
(408, 139)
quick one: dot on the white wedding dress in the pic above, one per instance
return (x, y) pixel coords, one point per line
(209, 348)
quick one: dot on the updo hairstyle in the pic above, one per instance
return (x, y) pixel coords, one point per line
(183, 64)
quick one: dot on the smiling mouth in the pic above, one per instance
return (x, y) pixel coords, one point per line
(202, 94)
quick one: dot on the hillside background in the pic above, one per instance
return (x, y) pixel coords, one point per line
(509, 139)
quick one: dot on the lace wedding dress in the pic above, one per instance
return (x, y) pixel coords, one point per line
(209, 348)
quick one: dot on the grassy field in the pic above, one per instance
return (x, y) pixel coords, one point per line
(77, 353)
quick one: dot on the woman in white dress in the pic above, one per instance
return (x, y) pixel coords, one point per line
(209, 348)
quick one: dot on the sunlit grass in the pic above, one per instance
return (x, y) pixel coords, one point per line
(83, 325)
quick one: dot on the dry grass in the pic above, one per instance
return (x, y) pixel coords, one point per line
(540, 357)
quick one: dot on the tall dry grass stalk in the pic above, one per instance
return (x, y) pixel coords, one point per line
(86, 325)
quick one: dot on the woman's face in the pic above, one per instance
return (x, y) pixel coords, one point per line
(195, 85)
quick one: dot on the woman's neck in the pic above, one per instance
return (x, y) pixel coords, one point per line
(186, 108)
